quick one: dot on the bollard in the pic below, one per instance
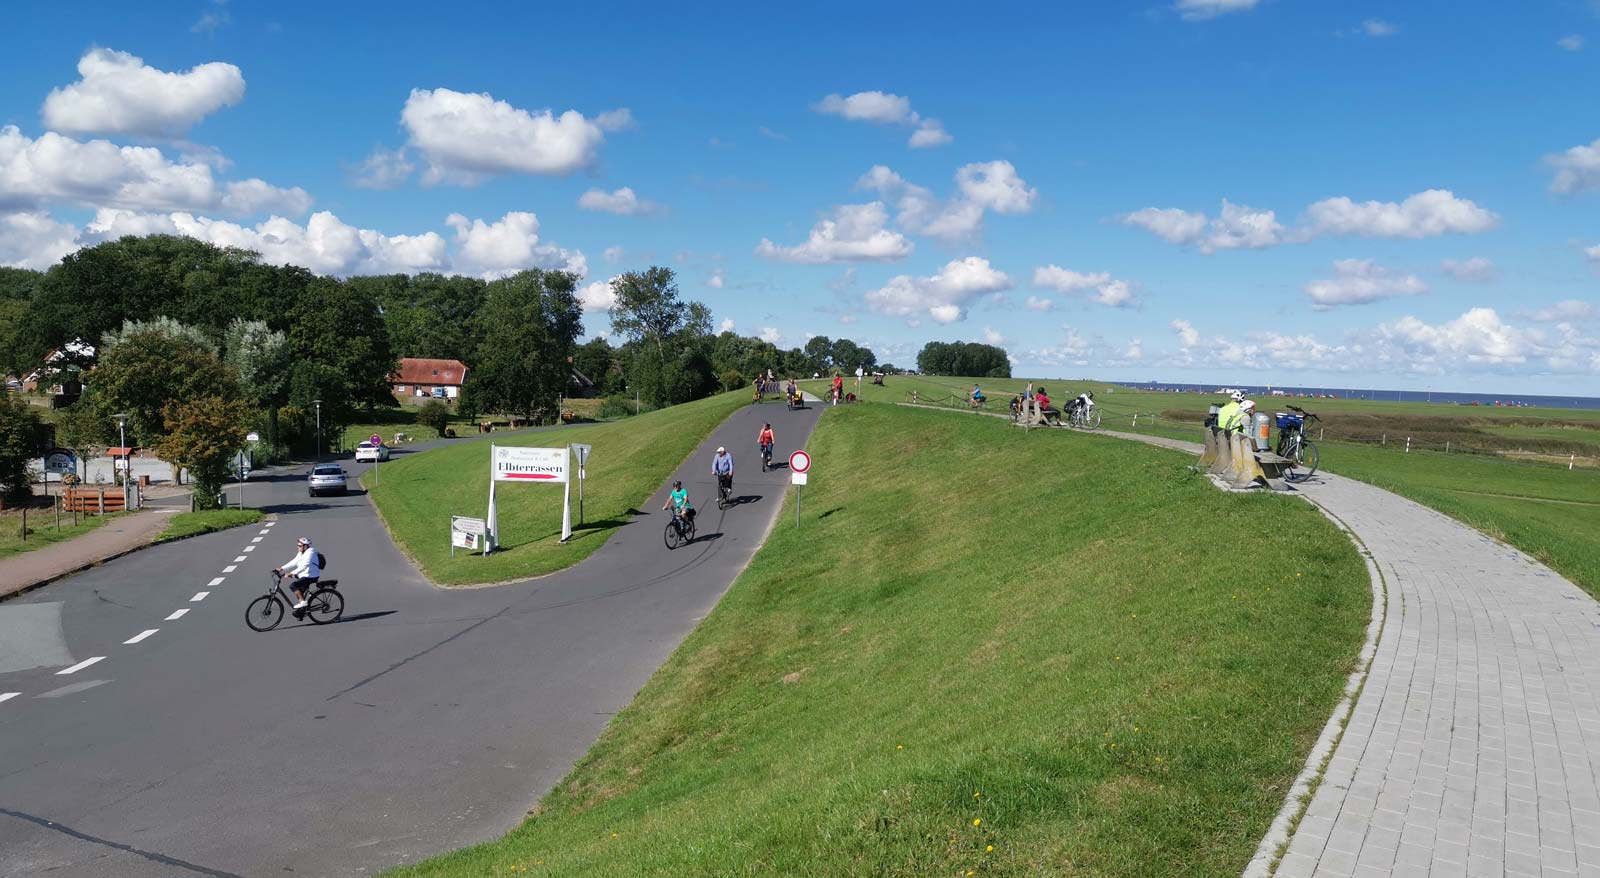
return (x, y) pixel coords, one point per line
(1384, 440)
(1447, 446)
(1408, 444)
(1224, 459)
(1209, 455)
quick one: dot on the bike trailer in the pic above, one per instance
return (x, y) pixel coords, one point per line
(1286, 420)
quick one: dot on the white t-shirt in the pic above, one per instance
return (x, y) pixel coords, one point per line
(304, 564)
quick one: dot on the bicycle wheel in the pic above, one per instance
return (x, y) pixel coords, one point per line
(1091, 419)
(673, 536)
(1308, 459)
(326, 605)
(264, 613)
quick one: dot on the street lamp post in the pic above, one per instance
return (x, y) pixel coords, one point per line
(318, 404)
(122, 442)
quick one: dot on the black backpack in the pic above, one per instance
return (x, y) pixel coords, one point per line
(322, 560)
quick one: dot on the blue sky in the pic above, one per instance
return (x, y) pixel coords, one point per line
(1411, 188)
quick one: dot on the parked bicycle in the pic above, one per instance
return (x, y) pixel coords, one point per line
(324, 604)
(1294, 446)
(1082, 413)
(680, 530)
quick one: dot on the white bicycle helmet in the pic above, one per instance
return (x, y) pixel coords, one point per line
(1237, 396)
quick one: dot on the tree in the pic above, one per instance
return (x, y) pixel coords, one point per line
(532, 322)
(434, 414)
(597, 360)
(20, 347)
(147, 366)
(340, 351)
(429, 315)
(963, 358)
(669, 359)
(260, 358)
(202, 434)
(19, 440)
(82, 431)
(819, 348)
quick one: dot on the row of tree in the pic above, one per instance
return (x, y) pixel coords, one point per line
(964, 358)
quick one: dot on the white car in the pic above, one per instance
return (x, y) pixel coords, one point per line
(368, 451)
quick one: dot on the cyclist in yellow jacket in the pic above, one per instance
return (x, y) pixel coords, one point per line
(1229, 417)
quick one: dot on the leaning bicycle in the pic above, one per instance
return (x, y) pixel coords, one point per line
(1293, 446)
(324, 604)
(1083, 414)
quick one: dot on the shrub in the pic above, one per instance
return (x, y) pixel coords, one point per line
(434, 414)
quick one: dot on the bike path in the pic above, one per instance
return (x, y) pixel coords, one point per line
(1473, 747)
(428, 719)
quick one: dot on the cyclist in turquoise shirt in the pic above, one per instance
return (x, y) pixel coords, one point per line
(678, 501)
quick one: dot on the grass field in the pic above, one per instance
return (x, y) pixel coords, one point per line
(188, 524)
(984, 653)
(418, 493)
(1545, 510)
(42, 529)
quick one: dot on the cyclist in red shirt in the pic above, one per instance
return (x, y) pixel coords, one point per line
(838, 387)
(765, 440)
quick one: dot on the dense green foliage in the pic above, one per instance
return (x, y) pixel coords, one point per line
(202, 434)
(19, 439)
(1012, 685)
(963, 358)
(532, 322)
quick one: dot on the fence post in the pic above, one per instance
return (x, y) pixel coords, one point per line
(1384, 440)
(101, 510)
(1408, 444)
(1447, 446)
(1136, 419)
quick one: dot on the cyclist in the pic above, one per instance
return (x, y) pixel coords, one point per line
(678, 501)
(976, 397)
(305, 567)
(838, 388)
(1228, 419)
(1043, 399)
(722, 468)
(765, 441)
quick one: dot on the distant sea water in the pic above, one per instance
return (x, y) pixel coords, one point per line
(1482, 399)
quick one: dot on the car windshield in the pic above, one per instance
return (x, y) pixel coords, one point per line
(365, 445)
(326, 471)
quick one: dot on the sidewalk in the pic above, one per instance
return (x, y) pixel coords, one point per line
(1474, 746)
(116, 537)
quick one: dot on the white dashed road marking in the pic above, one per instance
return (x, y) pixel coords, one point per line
(230, 568)
(199, 596)
(263, 532)
(238, 559)
(140, 636)
(215, 582)
(249, 548)
(79, 666)
(178, 614)
(7, 696)
(256, 539)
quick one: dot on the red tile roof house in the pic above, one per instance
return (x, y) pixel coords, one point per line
(418, 379)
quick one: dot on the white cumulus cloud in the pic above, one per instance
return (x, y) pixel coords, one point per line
(980, 187)
(98, 173)
(1187, 334)
(855, 233)
(884, 108)
(1039, 303)
(466, 137)
(1098, 287)
(1571, 42)
(943, 296)
(597, 296)
(384, 169)
(726, 325)
(717, 280)
(1199, 10)
(32, 239)
(1423, 215)
(994, 337)
(1474, 270)
(623, 202)
(771, 335)
(1566, 310)
(1577, 169)
(120, 94)
(1236, 226)
(1359, 282)
(507, 246)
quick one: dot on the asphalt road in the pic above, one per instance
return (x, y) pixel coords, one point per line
(426, 720)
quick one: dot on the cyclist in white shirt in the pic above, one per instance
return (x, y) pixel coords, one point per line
(306, 567)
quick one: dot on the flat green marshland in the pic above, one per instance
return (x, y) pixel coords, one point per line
(984, 652)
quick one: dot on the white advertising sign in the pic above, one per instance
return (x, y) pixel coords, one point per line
(463, 524)
(530, 465)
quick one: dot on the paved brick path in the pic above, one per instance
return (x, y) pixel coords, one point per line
(1474, 745)
(115, 537)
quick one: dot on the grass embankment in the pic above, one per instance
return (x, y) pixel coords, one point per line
(188, 524)
(417, 494)
(986, 652)
(42, 530)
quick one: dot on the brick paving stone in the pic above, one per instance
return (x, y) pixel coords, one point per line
(1479, 720)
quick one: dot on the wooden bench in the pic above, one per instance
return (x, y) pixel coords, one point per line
(97, 501)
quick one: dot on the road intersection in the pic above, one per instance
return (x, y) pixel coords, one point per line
(148, 732)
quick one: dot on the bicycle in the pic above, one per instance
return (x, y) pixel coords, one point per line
(724, 491)
(1084, 416)
(680, 530)
(766, 457)
(324, 604)
(1293, 446)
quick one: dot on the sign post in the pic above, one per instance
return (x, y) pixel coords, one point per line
(583, 460)
(507, 464)
(799, 470)
(859, 371)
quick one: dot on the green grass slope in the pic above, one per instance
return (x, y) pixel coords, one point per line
(417, 493)
(985, 652)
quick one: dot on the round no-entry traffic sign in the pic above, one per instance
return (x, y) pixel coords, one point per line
(375, 439)
(799, 462)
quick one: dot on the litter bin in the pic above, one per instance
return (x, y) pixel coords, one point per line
(1261, 432)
